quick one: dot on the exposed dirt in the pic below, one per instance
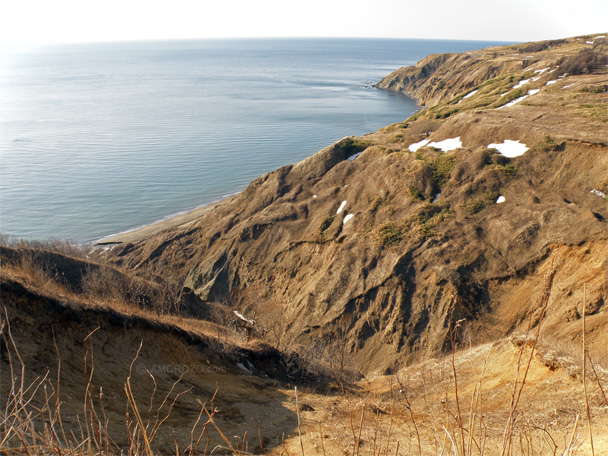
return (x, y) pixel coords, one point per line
(362, 264)
(387, 276)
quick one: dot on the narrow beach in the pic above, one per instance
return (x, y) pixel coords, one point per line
(137, 234)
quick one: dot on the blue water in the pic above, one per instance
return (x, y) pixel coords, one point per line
(96, 139)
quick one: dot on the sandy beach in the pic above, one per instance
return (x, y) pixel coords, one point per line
(146, 231)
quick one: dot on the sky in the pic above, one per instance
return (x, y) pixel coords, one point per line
(32, 22)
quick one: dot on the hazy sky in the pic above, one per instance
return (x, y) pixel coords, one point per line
(52, 21)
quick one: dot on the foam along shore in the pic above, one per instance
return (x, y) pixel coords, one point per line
(138, 234)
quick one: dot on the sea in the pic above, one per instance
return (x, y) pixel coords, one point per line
(100, 138)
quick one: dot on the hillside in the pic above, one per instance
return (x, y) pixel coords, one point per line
(409, 282)
(381, 244)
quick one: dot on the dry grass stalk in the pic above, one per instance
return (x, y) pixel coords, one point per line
(298, 415)
(322, 444)
(584, 373)
(542, 302)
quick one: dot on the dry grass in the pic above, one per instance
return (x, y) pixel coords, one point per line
(32, 422)
(103, 287)
(509, 398)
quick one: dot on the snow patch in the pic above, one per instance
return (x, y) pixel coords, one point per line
(521, 83)
(501, 199)
(551, 82)
(242, 317)
(598, 193)
(447, 144)
(352, 157)
(541, 71)
(414, 147)
(314, 196)
(517, 100)
(348, 217)
(569, 85)
(589, 42)
(470, 94)
(341, 207)
(509, 148)
(436, 197)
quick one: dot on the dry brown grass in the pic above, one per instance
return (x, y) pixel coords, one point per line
(32, 422)
(509, 398)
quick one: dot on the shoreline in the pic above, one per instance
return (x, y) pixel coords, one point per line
(139, 233)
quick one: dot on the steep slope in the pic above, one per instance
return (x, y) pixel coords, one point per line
(68, 363)
(378, 252)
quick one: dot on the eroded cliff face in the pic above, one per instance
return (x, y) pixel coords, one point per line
(381, 251)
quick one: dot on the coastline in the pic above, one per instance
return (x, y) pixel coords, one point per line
(145, 231)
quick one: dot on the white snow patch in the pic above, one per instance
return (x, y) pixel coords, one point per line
(436, 197)
(470, 94)
(521, 83)
(517, 100)
(601, 36)
(541, 71)
(551, 82)
(598, 193)
(242, 317)
(341, 207)
(514, 102)
(352, 157)
(314, 196)
(536, 78)
(414, 147)
(509, 148)
(348, 217)
(589, 42)
(501, 199)
(569, 85)
(447, 144)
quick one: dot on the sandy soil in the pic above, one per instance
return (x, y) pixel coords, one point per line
(144, 232)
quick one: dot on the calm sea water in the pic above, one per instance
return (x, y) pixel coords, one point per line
(96, 139)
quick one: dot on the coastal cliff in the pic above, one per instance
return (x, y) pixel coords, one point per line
(410, 233)
(449, 259)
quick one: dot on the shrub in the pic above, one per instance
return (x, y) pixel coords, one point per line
(377, 204)
(584, 62)
(353, 145)
(537, 47)
(490, 197)
(509, 170)
(442, 166)
(476, 206)
(546, 144)
(446, 114)
(595, 89)
(417, 194)
(325, 224)
(390, 235)
(488, 156)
